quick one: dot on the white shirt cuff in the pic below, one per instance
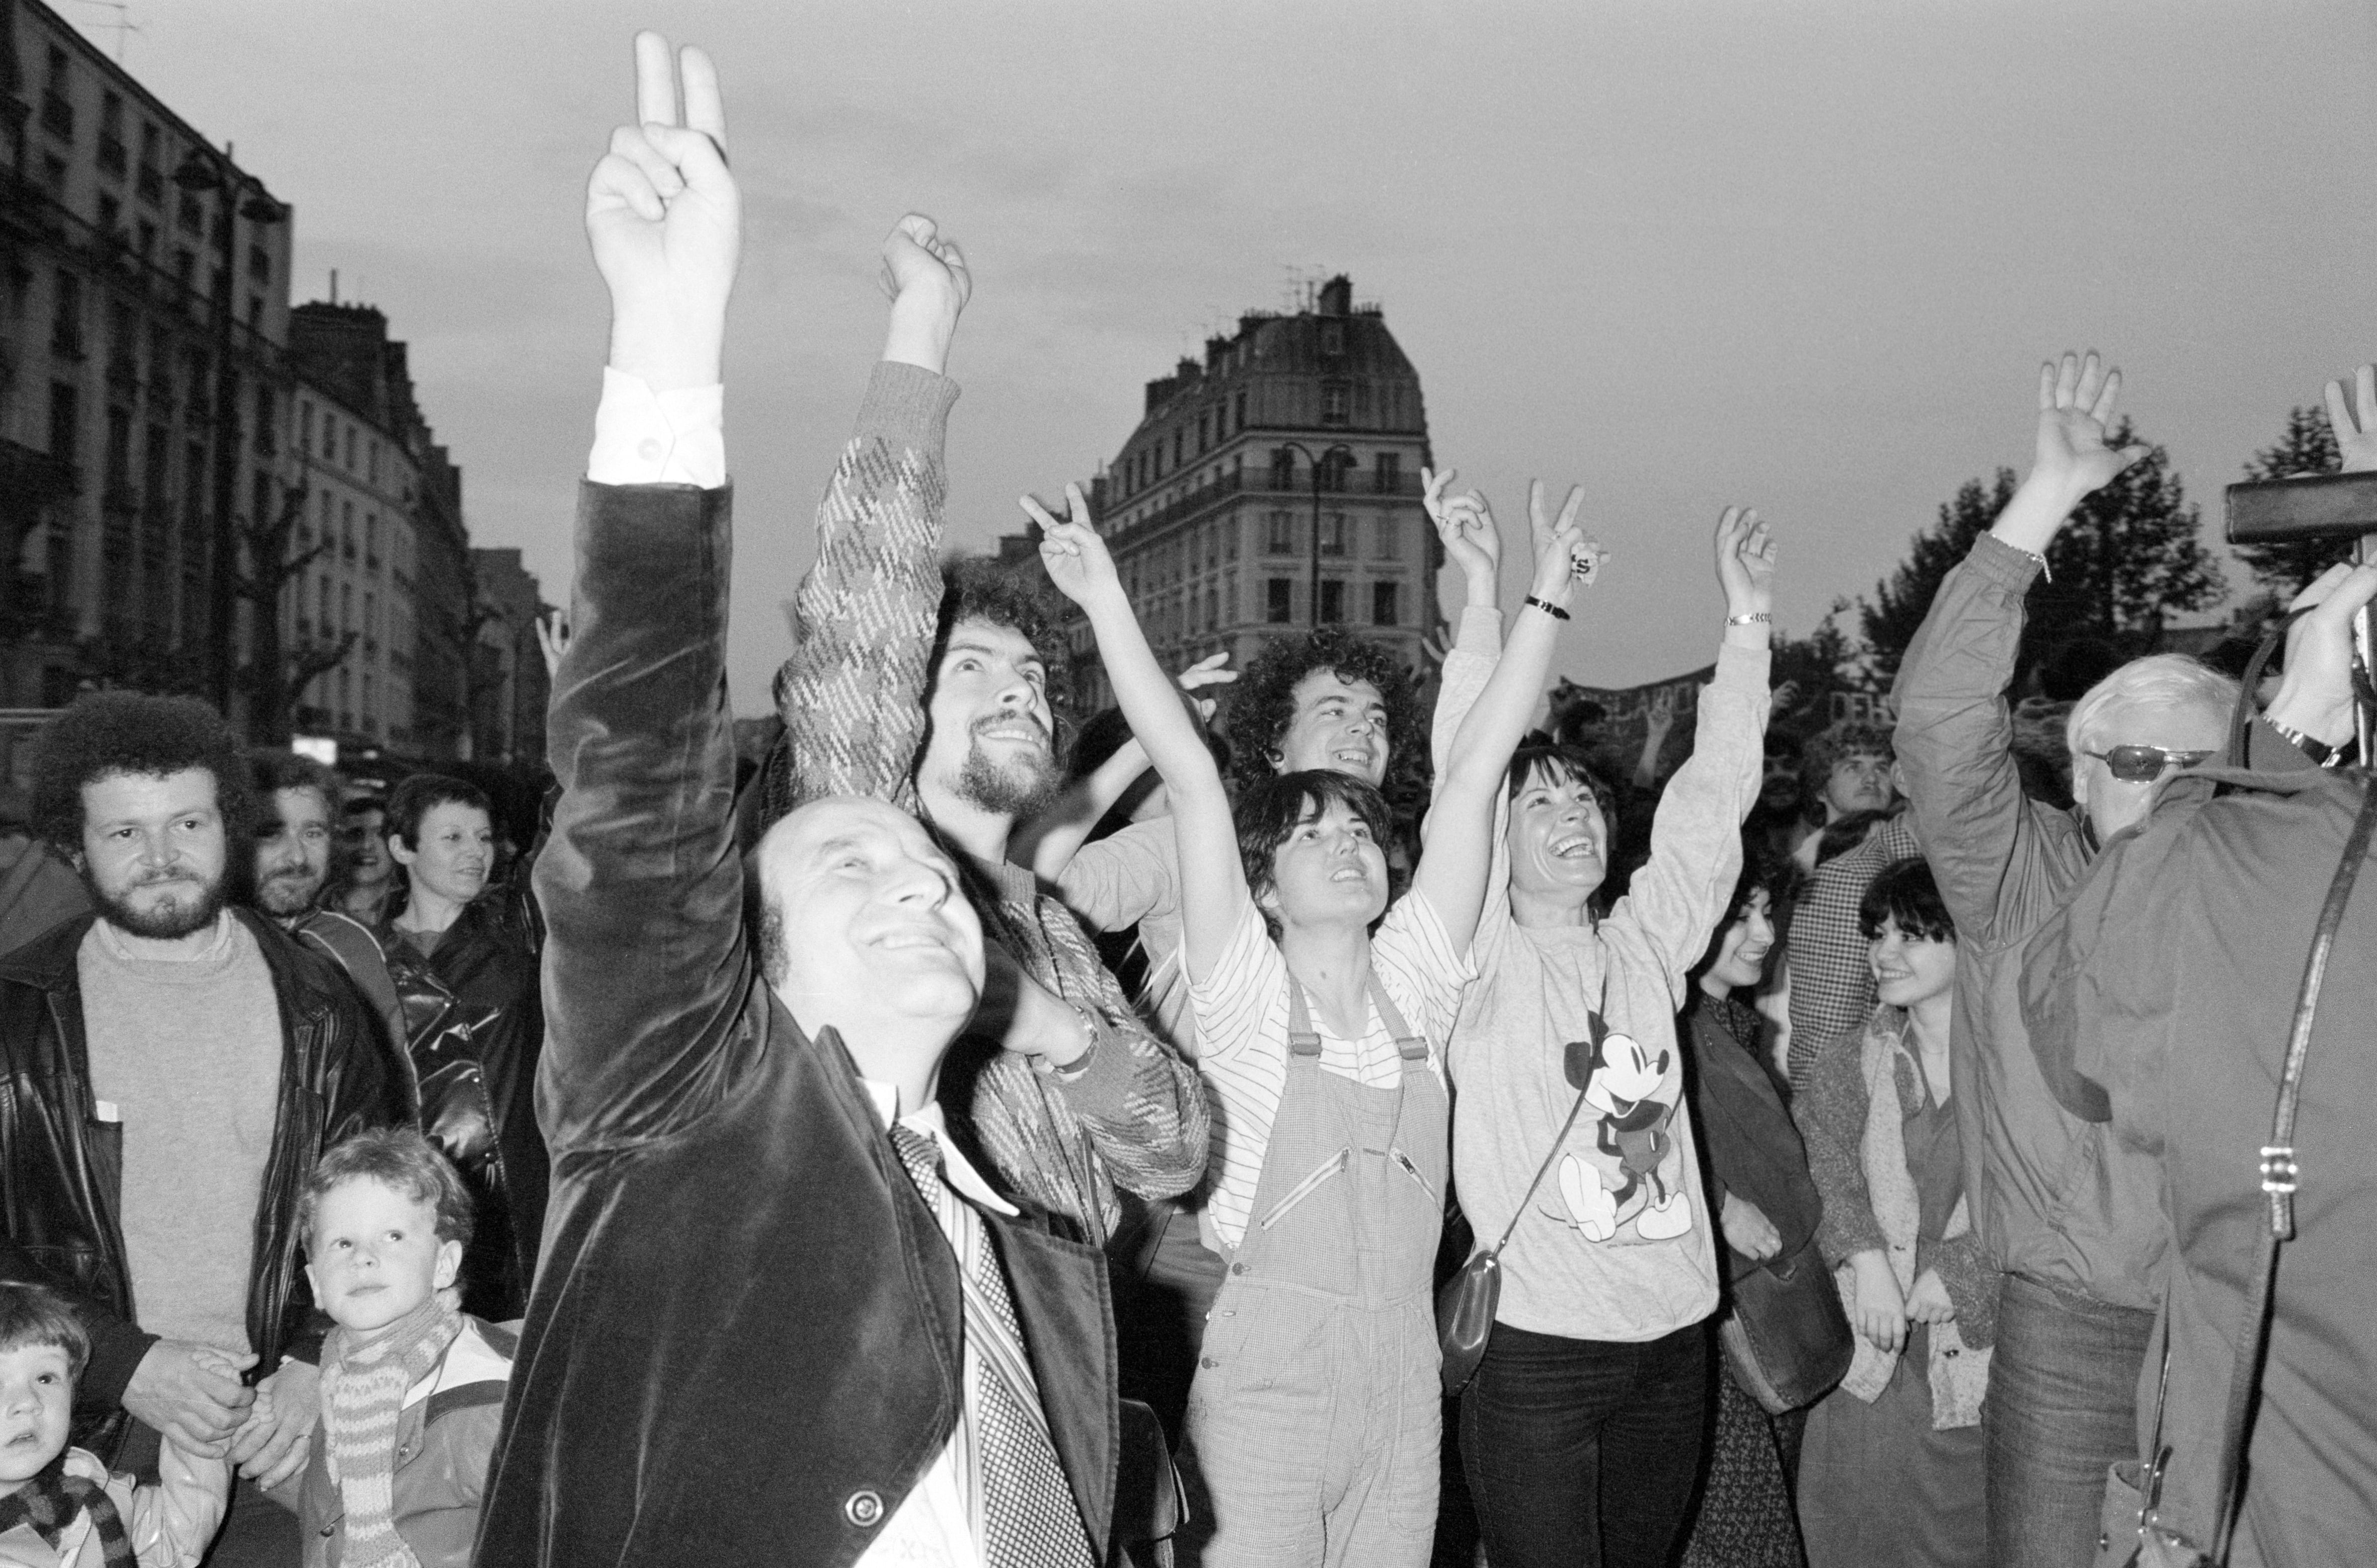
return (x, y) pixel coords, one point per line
(647, 437)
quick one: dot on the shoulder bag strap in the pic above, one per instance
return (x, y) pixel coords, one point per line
(2278, 1177)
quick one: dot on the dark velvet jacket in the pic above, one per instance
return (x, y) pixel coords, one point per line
(743, 1342)
(64, 1192)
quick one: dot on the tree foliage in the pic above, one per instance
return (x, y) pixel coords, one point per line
(1889, 620)
(2308, 448)
(2132, 556)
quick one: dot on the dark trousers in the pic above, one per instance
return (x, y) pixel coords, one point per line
(2062, 1405)
(1583, 1452)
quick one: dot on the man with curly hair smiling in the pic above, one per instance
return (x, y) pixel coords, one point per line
(179, 1063)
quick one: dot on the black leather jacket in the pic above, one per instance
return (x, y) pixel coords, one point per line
(474, 1026)
(62, 1198)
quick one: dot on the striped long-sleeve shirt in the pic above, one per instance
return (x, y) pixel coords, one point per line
(1131, 1115)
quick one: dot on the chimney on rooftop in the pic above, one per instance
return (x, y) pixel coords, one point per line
(1337, 296)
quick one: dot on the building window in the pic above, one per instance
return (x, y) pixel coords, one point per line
(66, 320)
(1238, 410)
(1387, 472)
(1281, 539)
(1212, 609)
(1333, 601)
(1382, 604)
(1229, 539)
(1180, 438)
(1387, 544)
(1279, 595)
(1334, 403)
(1331, 473)
(1204, 431)
(66, 420)
(1283, 468)
(1333, 336)
(1332, 533)
(305, 429)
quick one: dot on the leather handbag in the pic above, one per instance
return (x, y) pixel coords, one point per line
(1786, 1338)
(1465, 1304)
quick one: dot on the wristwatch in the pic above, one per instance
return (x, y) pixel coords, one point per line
(2320, 754)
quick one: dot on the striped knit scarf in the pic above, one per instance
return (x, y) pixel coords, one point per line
(363, 1381)
(50, 1501)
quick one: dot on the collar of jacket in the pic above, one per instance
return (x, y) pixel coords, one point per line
(48, 962)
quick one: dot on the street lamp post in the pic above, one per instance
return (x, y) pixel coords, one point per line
(210, 171)
(1336, 454)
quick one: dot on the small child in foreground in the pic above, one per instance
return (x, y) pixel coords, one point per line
(58, 1505)
(412, 1389)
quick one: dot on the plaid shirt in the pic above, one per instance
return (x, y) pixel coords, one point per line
(1832, 984)
(1131, 1115)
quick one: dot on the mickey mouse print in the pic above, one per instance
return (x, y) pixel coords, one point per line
(1621, 1177)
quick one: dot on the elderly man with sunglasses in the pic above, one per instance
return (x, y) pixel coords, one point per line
(2067, 1213)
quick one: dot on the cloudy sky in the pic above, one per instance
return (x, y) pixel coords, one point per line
(1801, 256)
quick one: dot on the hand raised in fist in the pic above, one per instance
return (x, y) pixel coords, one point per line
(926, 279)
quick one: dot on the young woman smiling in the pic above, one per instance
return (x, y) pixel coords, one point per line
(465, 970)
(1584, 1420)
(1891, 1468)
(1314, 1419)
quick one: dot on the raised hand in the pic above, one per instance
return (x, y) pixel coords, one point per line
(1076, 557)
(925, 277)
(553, 640)
(1745, 562)
(2075, 411)
(1206, 671)
(1465, 525)
(2315, 697)
(665, 223)
(1563, 558)
(2355, 427)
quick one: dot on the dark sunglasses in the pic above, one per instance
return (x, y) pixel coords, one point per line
(2144, 764)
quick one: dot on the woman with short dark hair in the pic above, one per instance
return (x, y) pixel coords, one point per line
(466, 973)
(1891, 1468)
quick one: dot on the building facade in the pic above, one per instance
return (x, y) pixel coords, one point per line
(349, 614)
(144, 386)
(509, 684)
(1271, 487)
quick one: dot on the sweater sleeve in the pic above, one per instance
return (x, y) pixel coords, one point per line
(1972, 1284)
(1831, 1113)
(852, 696)
(1677, 898)
(1954, 741)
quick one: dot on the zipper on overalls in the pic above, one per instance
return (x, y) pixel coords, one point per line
(1404, 1161)
(1328, 1168)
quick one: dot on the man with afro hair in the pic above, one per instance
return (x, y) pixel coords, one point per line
(178, 1063)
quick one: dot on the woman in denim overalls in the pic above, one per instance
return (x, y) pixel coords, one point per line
(1314, 1419)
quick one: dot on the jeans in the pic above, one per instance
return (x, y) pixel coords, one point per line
(1581, 1453)
(2062, 1406)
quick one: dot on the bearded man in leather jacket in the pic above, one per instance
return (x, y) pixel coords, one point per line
(176, 1066)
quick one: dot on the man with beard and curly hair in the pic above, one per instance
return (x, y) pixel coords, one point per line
(929, 684)
(178, 1064)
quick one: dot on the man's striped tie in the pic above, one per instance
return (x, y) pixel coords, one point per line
(1030, 1519)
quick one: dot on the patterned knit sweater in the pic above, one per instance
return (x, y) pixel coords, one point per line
(1130, 1114)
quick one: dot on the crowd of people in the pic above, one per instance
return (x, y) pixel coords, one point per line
(958, 1137)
